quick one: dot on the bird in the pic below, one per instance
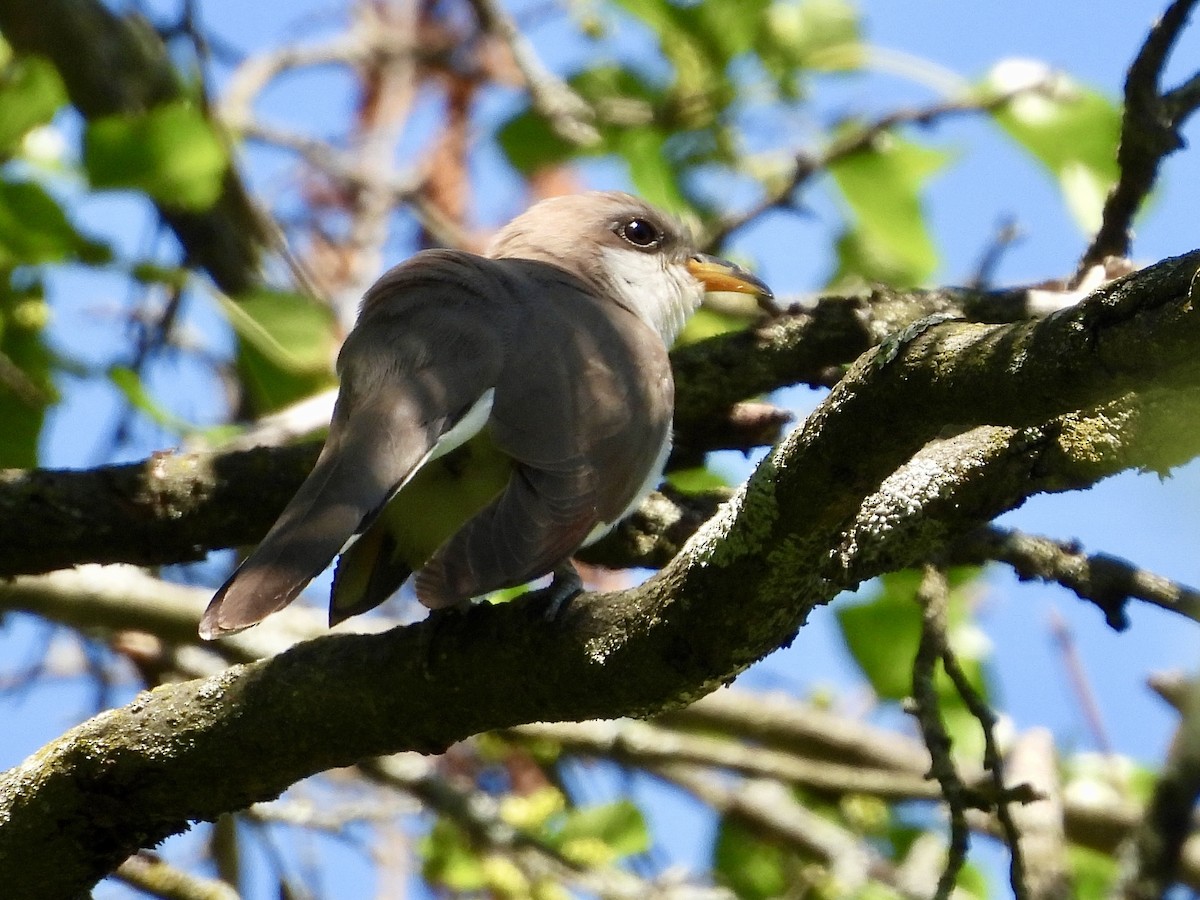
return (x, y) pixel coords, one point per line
(495, 413)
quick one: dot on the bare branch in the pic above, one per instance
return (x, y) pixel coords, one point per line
(933, 596)
(1032, 761)
(159, 879)
(1149, 132)
(569, 114)
(1001, 795)
(1107, 581)
(1168, 818)
(857, 140)
(647, 746)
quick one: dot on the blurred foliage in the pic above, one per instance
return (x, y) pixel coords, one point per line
(674, 122)
(882, 633)
(172, 153)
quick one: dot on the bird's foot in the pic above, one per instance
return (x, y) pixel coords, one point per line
(565, 587)
(434, 623)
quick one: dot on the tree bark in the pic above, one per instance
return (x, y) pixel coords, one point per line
(939, 430)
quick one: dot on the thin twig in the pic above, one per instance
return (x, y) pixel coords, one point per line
(994, 763)
(569, 114)
(855, 141)
(1007, 233)
(1107, 581)
(1149, 132)
(933, 595)
(1079, 682)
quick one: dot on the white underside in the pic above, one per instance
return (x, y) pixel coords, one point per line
(474, 421)
(653, 479)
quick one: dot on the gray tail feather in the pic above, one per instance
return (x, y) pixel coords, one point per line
(327, 509)
(387, 572)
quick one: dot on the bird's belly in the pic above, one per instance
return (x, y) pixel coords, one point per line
(444, 494)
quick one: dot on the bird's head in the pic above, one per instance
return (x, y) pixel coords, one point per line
(644, 258)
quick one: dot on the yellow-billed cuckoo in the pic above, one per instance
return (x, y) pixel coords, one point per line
(495, 414)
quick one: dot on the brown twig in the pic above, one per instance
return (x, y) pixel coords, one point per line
(805, 165)
(1079, 681)
(569, 114)
(994, 763)
(933, 595)
(1149, 132)
(1168, 818)
(1107, 581)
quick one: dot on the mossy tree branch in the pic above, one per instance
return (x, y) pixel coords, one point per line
(935, 432)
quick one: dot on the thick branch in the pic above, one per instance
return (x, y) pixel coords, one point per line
(176, 507)
(190, 751)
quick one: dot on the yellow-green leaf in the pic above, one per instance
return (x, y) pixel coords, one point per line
(1070, 129)
(30, 94)
(172, 152)
(287, 343)
(889, 240)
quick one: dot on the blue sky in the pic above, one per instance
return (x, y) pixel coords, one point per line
(1151, 521)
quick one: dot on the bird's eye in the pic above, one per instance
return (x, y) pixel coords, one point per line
(642, 234)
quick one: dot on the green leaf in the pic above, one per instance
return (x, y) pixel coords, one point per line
(1093, 874)
(287, 342)
(748, 865)
(618, 826)
(34, 229)
(889, 241)
(531, 144)
(697, 480)
(131, 386)
(651, 168)
(448, 859)
(1071, 130)
(26, 384)
(883, 633)
(821, 35)
(31, 92)
(171, 152)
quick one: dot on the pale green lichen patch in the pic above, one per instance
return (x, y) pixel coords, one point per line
(897, 510)
(1096, 439)
(174, 482)
(742, 524)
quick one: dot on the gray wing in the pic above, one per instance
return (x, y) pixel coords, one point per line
(584, 406)
(422, 353)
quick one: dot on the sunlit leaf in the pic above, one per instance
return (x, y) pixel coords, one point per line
(26, 386)
(171, 152)
(34, 229)
(287, 343)
(31, 92)
(753, 868)
(1070, 129)
(889, 240)
(448, 859)
(821, 35)
(1093, 874)
(611, 830)
(696, 480)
